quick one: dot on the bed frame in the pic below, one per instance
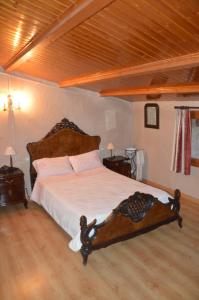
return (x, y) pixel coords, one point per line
(136, 215)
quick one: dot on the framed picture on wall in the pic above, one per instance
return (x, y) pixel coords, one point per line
(151, 115)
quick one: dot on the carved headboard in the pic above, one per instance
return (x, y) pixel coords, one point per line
(65, 138)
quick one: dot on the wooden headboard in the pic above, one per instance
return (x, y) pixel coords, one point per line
(65, 138)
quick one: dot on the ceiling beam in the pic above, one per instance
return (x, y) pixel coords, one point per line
(189, 60)
(169, 89)
(72, 17)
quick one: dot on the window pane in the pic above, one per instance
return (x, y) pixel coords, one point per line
(195, 139)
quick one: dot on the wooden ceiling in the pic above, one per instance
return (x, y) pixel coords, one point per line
(102, 44)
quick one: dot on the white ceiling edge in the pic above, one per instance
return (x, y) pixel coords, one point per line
(53, 84)
(29, 78)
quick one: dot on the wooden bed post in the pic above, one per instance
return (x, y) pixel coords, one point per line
(86, 237)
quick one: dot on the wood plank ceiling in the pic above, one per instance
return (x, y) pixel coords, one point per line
(101, 45)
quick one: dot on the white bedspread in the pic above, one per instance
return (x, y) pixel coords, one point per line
(93, 193)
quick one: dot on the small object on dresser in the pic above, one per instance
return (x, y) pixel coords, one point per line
(12, 187)
(118, 164)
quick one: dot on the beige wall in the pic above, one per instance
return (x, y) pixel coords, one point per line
(114, 120)
(109, 118)
(158, 146)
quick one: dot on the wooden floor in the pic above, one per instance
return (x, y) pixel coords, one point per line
(36, 263)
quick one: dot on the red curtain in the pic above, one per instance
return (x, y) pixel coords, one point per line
(181, 160)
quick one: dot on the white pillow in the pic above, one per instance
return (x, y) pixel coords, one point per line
(52, 166)
(86, 161)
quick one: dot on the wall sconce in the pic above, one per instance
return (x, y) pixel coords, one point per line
(110, 147)
(9, 105)
(10, 151)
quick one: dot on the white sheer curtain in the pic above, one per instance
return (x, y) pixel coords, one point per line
(139, 164)
(181, 156)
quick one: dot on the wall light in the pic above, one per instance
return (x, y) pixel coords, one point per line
(16, 101)
(9, 104)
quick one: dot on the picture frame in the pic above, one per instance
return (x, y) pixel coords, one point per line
(151, 115)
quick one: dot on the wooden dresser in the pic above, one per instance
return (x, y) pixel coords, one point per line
(118, 164)
(12, 189)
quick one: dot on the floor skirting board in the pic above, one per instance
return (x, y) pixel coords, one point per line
(169, 190)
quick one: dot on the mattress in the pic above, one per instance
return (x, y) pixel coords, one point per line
(94, 194)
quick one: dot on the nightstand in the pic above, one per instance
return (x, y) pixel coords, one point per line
(118, 164)
(12, 187)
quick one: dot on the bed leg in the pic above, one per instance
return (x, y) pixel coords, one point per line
(26, 204)
(179, 218)
(85, 252)
(177, 207)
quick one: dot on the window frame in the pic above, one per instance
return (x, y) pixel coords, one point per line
(194, 161)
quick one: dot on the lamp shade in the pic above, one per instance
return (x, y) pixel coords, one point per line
(130, 149)
(9, 151)
(110, 146)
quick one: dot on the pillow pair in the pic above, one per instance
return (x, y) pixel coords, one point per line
(67, 164)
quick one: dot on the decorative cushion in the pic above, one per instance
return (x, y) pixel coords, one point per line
(52, 166)
(86, 161)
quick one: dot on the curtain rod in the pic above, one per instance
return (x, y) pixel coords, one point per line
(185, 107)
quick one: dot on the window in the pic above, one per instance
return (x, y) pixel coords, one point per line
(195, 138)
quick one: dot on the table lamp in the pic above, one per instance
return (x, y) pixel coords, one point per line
(110, 147)
(10, 151)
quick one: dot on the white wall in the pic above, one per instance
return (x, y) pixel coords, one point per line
(158, 143)
(109, 118)
(114, 120)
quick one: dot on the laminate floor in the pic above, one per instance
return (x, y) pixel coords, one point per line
(36, 263)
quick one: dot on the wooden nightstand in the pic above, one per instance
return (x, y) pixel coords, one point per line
(118, 164)
(12, 187)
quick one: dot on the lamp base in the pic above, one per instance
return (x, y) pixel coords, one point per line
(11, 162)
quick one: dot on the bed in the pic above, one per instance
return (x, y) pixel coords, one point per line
(106, 207)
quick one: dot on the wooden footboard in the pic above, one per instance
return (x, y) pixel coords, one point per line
(138, 214)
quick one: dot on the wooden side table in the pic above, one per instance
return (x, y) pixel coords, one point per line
(12, 189)
(118, 164)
